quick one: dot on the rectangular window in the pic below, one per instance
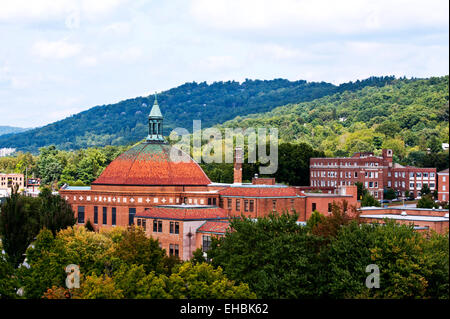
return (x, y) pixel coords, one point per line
(105, 215)
(160, 229)
(138, 221)
(238, 205)
(80, 214)
(113, 215)
(214, 202)
(313, 206)
(329, 207)
(174, 227)
(274, 204)
(245, 205)
(356, 174)
(209, 201)
(431, 175)
(292, 205)
(206, 243)
(252, 205)
(229, 203)
(425, 174)
(131, 213)
(155, 226)
(144, 224)
(418, 174)
(95, 215)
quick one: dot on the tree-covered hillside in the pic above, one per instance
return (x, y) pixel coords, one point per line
(409, 116)
(11, 129)
(125, 122)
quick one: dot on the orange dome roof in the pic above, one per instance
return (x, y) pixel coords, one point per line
(150, 164)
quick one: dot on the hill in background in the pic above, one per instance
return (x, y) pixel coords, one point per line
(409, 116)
(126, 122)
(11, 129)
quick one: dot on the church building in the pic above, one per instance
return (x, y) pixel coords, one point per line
(177, 203)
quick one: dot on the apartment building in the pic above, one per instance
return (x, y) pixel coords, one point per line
(375, 172)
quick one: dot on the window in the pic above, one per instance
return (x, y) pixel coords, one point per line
(245, 205)
(173, 250)
(432, 185)
(214, 201)
(252, 205)
(356, 174)
(174, 227)
(425, 174)
(313, 206)
(131, 213)
(274, 204)
(113, 216)
(432, 175)
(371, 184)
(444, 178)
(229, 204)
(95, 215)
(210, 201)
(138, 221)
(411, 175)
(206, 243)
(221, 202)
(80, 214)
(105, 215)
(395, 174)
(329, 207)
(144, 224)
(238, 205)
(157, 226)
(292, 205)
(418, 174)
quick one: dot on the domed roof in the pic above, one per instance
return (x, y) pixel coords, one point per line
(151, 164)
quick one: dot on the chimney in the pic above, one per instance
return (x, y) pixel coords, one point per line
(238, 159)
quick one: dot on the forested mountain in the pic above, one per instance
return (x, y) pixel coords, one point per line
(125, 122)
(11, 129)
(409, 116)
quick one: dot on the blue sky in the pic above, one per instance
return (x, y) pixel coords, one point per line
(58, 58)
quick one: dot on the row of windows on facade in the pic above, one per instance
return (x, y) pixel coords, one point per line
(81, 215)
(174, 227)
(369, 174)
(335, 164)
(249, 204)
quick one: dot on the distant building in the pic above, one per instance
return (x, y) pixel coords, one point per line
(6, 151)
(375, 172)
(423, 219)
(8, 181)
(443, 193)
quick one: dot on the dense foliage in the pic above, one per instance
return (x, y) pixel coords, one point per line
(328, 258)
(126, 122)
(121, 263)
(408, 116)
(22, 217)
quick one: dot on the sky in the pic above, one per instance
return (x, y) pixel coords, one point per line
(58, 58)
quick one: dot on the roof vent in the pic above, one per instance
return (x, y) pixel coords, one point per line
(403, 213)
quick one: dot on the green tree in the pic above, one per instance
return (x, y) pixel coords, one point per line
(427, 201)
(369, 200)
(405, 258)
(19, 224)
(390, 193)
(274, 255)
(55, 213)
(8, 280)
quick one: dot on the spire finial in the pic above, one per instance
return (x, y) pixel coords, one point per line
(156, 99)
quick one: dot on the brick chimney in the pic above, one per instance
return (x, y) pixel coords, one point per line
(238, 159)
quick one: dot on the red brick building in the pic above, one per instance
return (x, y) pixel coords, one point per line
(147, 187)
(423, 219)
(443, 194)
(375, 172)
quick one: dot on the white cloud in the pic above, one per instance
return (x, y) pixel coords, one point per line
(25, 11)
(56, 49)
(316, 16)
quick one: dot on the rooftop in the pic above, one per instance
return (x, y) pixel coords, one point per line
(408, 217)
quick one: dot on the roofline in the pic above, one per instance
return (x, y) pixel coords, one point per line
(184, 219)
(103, 184)
(237, 196)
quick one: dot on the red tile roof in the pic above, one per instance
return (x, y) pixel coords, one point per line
(151, 164)
(262, 191)
(183, 213)
(214, 227)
